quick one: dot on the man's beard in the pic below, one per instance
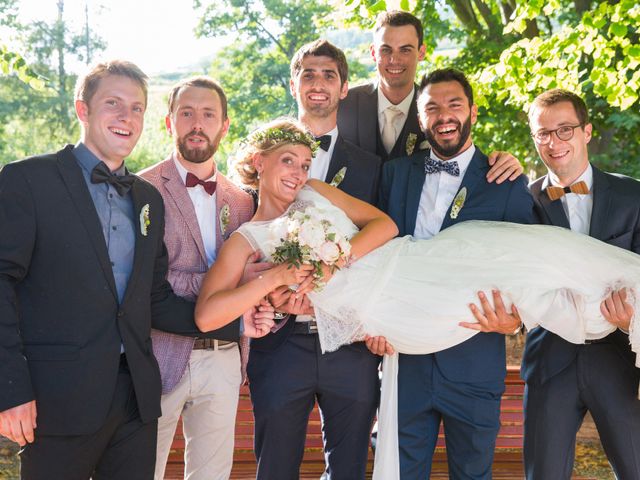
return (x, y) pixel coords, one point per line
(198, 155)
(450, 150)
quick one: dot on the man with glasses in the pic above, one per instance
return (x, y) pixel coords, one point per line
(565, 380)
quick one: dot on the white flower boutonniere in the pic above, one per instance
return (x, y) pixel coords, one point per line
(338, 177)
(458, 203)
(224, 218)
(411, 143)
(144, 220)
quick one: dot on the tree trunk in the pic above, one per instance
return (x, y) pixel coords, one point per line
(582, 6)
(507, 10)
(467, 17)
(492, 24)
(532, 29)
(62, 74)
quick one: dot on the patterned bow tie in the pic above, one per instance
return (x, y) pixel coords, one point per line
(193, 181)
(102, 174)
(325, 142)
(554, 193)
(435, 166)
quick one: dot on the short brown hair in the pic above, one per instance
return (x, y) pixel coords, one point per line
(447, 75)
(87, 85)
(321, 48)
(557, 95)
(398, 18)
(201, 81)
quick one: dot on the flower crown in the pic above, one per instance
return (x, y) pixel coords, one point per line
(278, 135)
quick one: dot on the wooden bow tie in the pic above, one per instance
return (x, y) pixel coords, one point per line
(555, 193)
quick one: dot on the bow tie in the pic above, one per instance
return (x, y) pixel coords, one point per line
(102, 174)
(435, 166)
(555, 193)
(325, 142)
(192, 181)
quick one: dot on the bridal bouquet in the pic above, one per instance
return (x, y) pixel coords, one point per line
(309, 237)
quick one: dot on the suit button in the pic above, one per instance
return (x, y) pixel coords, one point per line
(120, 314)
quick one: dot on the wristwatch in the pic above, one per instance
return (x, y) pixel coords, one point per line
(518, 330)
(279, 316)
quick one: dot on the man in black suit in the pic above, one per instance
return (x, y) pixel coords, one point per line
(287, 370)
(564, 380)
(82, 280)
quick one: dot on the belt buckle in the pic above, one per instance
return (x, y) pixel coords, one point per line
(312, 327)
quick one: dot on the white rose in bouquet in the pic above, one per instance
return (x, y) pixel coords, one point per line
(329, 252)
(311, 235)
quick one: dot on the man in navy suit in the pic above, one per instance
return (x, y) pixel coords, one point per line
(287, 370)
(425, 193)
(564, 380)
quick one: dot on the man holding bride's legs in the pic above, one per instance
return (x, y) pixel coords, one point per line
(425, 193)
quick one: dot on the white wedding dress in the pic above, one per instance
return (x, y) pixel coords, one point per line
(415, 292)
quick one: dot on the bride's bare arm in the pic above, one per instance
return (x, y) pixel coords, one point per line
(222, 300)
(376, 227)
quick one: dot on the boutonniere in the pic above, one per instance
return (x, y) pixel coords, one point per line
(458, 203)
(144, 220)
(411, 143)
(338, 177)
(224, 218)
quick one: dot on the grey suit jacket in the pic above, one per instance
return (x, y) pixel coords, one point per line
(358, 123)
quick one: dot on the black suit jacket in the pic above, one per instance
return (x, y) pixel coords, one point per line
(361, 181)
(358, 123)
(615, 219)
(61, 326)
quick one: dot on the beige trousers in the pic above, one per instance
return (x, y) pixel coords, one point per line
(207, 399)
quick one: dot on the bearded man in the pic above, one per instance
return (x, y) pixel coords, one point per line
(200, 378)
(425, 193)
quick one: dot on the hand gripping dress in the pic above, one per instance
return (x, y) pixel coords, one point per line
(415, 292)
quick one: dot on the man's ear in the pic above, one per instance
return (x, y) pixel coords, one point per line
(167, 124)
(82, 111)
(474, 113)
(588, 131)
(292, 88)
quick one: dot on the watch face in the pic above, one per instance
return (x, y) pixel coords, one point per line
(279, 316)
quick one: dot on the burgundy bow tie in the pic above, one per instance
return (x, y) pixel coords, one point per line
(554, 193)
(192, 181)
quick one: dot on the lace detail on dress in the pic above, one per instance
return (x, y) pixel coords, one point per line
(336, 331)
(300, 205)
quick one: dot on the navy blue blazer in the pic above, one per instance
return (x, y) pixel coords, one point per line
(615, 219)
(360, 181)
(482, 357)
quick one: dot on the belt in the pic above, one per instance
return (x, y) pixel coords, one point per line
(211, 344)
(305, 328)
(596, 340)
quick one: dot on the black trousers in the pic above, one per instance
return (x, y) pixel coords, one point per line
(124, 448)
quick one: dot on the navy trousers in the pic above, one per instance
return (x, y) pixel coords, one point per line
(284, 385)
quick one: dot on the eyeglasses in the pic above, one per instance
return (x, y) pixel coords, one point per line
(543, 137)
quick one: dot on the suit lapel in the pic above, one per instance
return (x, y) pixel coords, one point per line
(414, 192)
(553, 209)
(368, 121)
(139, 201)
(222, 199)
(601, 205)
(338, 159)
(410, 127)
(180, 196)
(472, 179)
(73, 178)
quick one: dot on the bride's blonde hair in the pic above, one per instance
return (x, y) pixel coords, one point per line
(266, 139)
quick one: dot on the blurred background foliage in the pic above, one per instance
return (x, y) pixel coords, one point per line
(511, 49)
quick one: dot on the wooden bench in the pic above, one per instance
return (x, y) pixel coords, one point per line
(507, 462)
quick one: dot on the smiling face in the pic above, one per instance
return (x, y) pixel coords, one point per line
(317, 87)
(284, 171)
(446, 118)
(567, 159)
(396, 53)
(197, 123)
(113, 119)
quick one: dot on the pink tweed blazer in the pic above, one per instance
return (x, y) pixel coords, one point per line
(187, 260)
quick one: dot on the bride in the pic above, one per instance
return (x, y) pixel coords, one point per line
(414, 293)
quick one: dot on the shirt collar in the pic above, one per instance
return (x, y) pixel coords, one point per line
(183, 171)
(88, 160)
(463, 159)
(403, 106)
(586, 177)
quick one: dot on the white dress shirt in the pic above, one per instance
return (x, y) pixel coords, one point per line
(206, 212)
(577, 207)
(403, 106)
(438, 192)
(320, 163)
